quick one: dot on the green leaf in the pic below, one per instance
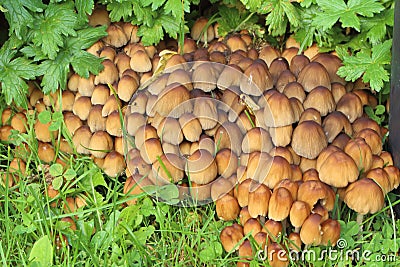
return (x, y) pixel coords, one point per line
(370, 64)
(83, 62)
(13, 72)
(346, 13)
(58, 20)
(57, 183)
(56, 169)
(42, 252)
(55, 72)
(280, 13)
(174, 7)
(98, 179)
(70, 174)
(85, 38)
(210, 251)
(84, 8)
(144, 233)
(252, 5)
(120, 10)
(19, 16)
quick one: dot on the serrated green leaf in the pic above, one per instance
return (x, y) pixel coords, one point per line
(42, 252)
(83, 62)
(370, 64)
(120, 10)
(84, 8)
(13, 73)
(55, 72)
(58, 20)
(56, 169)
(85, 38)
(280, 12)
(252, 5)
(347, 13)
(151, 35)
(174, 7)
(19, 16)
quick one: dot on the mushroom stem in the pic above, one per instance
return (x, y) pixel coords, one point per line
(262, 220)
(297, 229)
(359, 219)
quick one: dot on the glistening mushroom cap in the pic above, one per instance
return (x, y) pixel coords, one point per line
(309, 139)
(364, 196)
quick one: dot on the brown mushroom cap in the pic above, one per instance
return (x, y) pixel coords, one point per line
(281, 136)
(252, 226)
(372, 138)
(191, 127)
(256, 79)
(278, 111)
(114, 164)
(331, 63)
(364, 196)
(361, 153)
(100, 144)
(335, 123)
(268, 54)
(197, 29)
(81, 139)
(308, 139)
(227, 162)
(350, 105)
(295, 89)
(221, 187)
(297, 63)
(140, 61)
(321, 99)
(99, 17)
(313, 75)
(116, 36)
(380, 177)
(108, 75)
(365, 122)
(169, 131)
(279, 204)
(258, 199)
(311, 192)
(205, 77)
(169, 168)
(299, 212)
(227, 208)
(257, 139)
(330, 232)
(310, 114)
(310, 232)
(46, 152)
(230, 237)
(201, 167)
(170, 98)
(338, 170)
(150, 150)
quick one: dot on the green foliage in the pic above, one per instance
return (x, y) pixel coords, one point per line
(155, 18)
(45, 41)
(42, 252)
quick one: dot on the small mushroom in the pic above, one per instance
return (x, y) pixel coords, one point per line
(279, 204)
(338, 170)
(299, 212)
(313, 75)
(201, 167)
(350, 105)
(311, 232)
(198, 31)
(321, 99)
(95, 120)
(364, 196)
(108, 75)
(308, 139)
(258, 199)
(230, 237)
(227, 208)
(360, 152)
(100, 144)
(114, 164)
